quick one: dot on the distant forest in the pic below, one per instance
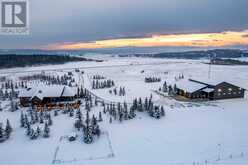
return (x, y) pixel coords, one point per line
(215, 53)
(219, 61)
(14, 60)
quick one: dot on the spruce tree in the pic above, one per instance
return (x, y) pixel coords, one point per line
(104, 109)
(46, 131)
(50, 122)
(131, 114)
(25, 120)
(126, 116)
(36, 117)
(100, 117)
(22, 120)
(41, 119)
(78, 124)
(162, 111)
(8, 129)
(88, 137)
(28, 128)
(156, 113)
(71, 114)
(38, 130)
(55, 112)
(2, 138)
(98, 131)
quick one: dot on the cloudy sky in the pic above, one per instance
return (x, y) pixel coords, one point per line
(79, 24)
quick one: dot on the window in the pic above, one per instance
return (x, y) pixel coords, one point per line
(230, 89)
(219, 90)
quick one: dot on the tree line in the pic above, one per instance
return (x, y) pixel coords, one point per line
(16, 60)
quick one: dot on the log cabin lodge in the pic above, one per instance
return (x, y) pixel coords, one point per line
(210, 90)
(45, 95)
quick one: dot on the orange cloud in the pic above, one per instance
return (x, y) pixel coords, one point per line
(227, 38)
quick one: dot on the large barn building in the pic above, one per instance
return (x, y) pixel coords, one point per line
(214, 90)
(44, 95)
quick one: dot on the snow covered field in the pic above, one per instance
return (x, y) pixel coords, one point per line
(190, 133)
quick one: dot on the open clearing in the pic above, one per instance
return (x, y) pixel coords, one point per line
(190, 133)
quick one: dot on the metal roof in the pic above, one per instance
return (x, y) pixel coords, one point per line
(189, 86)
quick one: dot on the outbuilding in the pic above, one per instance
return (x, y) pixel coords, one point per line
(212, 90)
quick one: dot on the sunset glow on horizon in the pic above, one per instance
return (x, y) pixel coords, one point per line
(228, 38)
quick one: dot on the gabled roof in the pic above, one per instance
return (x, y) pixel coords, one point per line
(44, 91)
(48, 91)
(68, 92)
(215, 82)
(189, 86)
(27, 92)
(192, 85)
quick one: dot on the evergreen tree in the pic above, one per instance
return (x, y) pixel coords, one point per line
(71, 114)
(94, 121)
(55, 112)
(125, 114)
(131, 114)
(104, 109)
(12, 105)
(146, 104)
(46, 131)
(50, 122)
(36, 117)
(25, 120)
(32, 120)
(8, 129)
(100, 117)
(78, 124)
(96, 102)
(97, 131)
(165, 88)
(38, 130)
(28, 128)
(140, 105)
(162, 111)
(22, 120)
(2, 138)
(41, 119)
(156, 113)
(175, 89)
(88, 137)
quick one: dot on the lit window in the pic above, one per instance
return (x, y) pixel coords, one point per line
(230, 89)
(219, 90)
